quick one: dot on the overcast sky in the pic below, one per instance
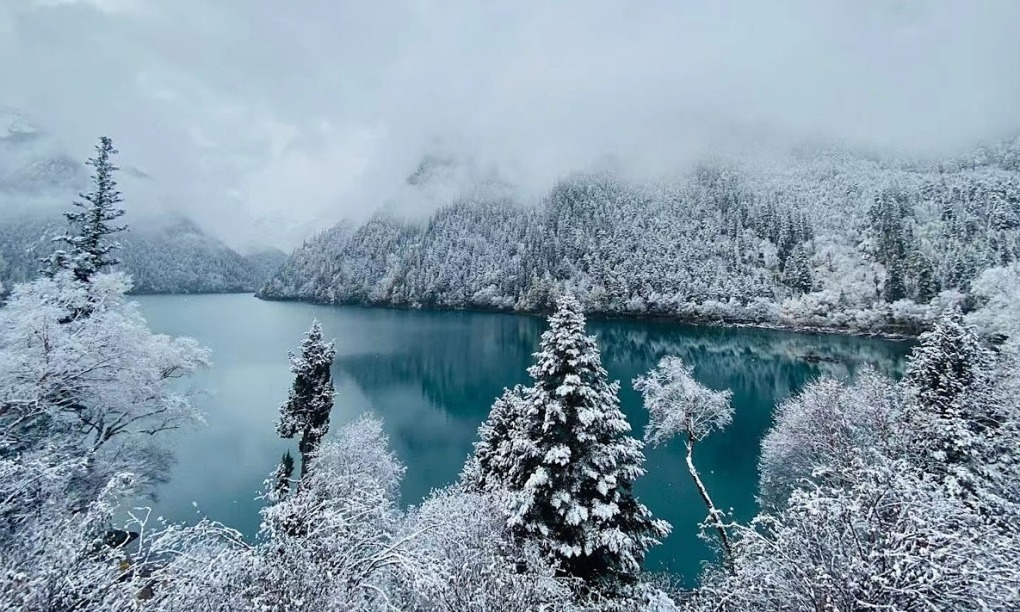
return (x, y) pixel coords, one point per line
(266, 119)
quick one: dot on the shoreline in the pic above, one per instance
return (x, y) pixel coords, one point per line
(134, 294)
(887, 333)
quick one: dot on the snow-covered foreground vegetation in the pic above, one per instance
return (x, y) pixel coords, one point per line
(814, 239)
(876, 494)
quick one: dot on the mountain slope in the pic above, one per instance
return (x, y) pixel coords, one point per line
(820, 238)
(171, 255)
(177, 257)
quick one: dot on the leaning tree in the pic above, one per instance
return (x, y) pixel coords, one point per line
(679, 406)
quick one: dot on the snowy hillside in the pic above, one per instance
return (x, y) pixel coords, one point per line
(820, 238)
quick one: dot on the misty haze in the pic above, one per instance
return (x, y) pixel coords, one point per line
(452, 306)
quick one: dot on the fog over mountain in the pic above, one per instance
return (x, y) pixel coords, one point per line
(164, 250)
(272, 125)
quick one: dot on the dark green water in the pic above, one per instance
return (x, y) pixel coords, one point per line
(433, 376)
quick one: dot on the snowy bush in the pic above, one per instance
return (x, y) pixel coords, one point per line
(823, 430)
(102, 382)
(889, 540)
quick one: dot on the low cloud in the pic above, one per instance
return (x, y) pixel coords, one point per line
(267, 120)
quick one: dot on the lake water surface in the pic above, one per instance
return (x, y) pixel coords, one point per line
(432, 377)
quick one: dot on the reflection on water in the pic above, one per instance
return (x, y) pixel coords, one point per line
(433, 376)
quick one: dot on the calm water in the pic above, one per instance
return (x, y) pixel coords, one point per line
(433, 376)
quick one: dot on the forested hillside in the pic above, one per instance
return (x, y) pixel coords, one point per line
(816, 238)
(178, 257)
(163, 252)
(164, 256)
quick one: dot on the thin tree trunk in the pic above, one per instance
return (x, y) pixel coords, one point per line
(713, 512)
(305, 447)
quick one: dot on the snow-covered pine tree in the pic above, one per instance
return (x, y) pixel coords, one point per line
(797, 273)
(489, 467)
(307, 409)
(949, 365)
(926, 284)
(90, 247)
(949, 412)
(894, 288)
(576, 462)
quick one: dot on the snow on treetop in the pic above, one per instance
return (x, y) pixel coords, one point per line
(679, 404)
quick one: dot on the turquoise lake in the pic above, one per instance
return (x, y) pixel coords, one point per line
(432, 376)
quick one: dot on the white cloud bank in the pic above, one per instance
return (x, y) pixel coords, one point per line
(269, 119)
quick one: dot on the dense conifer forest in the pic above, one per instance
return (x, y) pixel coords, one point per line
(818, 238)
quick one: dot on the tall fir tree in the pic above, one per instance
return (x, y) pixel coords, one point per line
(894, 288)
(499, 439)
(951, 412)
(927, 287)
(797, 273)
(575, 462)
(889, 215)
(89, 248)
(306, 411)
(949, 366)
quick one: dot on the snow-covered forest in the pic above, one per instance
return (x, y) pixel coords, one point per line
(876, 494)
(573, 306)
(816, 238)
